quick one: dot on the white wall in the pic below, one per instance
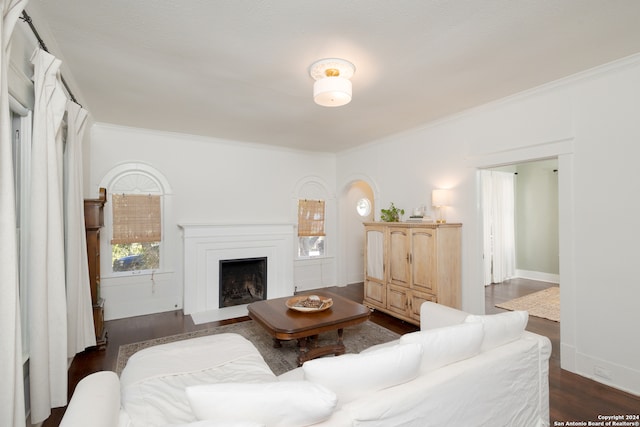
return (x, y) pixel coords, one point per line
(590, 122)
(212, 181)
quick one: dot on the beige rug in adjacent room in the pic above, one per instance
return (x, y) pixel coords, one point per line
(545, 304)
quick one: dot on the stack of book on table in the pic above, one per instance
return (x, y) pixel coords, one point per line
(419, 218)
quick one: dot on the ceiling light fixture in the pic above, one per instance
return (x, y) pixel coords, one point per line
(332, 87)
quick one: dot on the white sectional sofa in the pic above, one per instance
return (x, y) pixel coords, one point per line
(459, 370)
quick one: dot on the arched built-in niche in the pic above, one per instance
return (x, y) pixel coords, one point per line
(351, 231)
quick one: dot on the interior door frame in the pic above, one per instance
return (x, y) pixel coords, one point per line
(563, 150)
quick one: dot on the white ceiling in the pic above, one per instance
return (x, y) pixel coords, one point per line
(238, 69)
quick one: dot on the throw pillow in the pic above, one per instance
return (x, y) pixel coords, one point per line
(443, 346)
(277, 404)
(501, 328)
(353, 375)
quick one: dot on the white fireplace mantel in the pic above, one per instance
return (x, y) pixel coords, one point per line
(205, 245)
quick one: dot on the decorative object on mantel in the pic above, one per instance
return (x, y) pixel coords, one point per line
(440, 199)
(392, 214)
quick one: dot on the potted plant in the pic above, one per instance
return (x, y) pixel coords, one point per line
(392, 214)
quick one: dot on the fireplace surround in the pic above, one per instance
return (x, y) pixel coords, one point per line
(206, 245)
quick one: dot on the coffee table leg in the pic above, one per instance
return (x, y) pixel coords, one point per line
(312, 341)
(302, 351)
(340, 348)
(277, 343)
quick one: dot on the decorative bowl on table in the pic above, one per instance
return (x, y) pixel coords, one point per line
(309, 303)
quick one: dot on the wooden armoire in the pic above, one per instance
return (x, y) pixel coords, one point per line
(94, 221)
(407, 264)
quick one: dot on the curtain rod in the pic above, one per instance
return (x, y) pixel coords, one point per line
(26, 18)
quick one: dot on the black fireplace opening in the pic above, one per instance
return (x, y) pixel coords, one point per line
(242, 281)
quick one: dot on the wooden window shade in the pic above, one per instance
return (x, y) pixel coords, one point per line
(136, 218)
(310, 218)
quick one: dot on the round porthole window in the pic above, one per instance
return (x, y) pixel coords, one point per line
(363, 207)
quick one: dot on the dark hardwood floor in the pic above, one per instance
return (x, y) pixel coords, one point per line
(572, 397)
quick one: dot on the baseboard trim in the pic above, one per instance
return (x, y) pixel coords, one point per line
(538, 275)
(607, 373)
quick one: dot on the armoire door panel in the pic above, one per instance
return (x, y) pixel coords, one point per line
(399, 272)
(423, 260)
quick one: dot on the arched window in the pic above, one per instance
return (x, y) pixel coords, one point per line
(311, 232)
(134, 219)
(363, 207)
(315, 206)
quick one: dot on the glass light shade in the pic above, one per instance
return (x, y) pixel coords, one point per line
(332, 91)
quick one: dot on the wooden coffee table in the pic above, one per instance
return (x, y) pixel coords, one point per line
(284, 324)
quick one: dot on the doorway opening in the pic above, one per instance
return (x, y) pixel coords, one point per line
(529, 248)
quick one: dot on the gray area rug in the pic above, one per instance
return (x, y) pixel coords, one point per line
(280, 360)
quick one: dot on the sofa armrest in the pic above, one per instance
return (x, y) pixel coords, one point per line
(95, 402)
(434, 315)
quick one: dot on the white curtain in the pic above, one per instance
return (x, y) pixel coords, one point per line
(486, 185)
(12, 408)
(46, 282)
(80, 329)
(498, 210)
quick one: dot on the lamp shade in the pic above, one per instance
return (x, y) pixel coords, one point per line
(332, 91)
(332, 87)
(440, 197)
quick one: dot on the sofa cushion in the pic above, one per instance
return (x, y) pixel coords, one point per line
(443, 346)
(501, 328)
(434, 315)
(353, 375)
(280, 404)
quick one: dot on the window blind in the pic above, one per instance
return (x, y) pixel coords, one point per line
(136, 218)
(310, 218)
